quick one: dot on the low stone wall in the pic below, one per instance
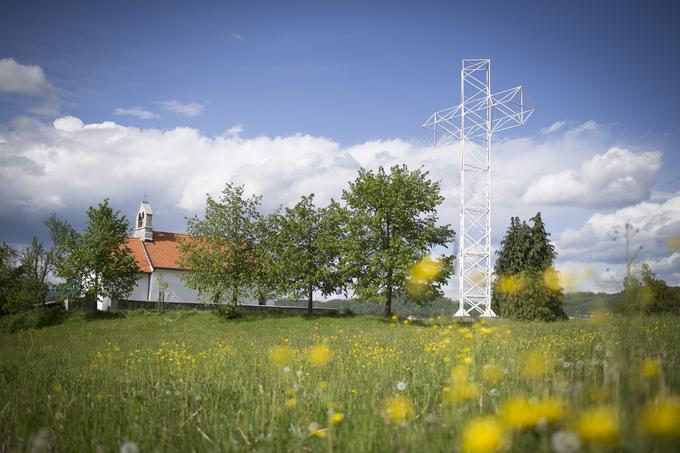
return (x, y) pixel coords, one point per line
(136, 304)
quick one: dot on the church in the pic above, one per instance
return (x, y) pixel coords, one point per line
(157, 255)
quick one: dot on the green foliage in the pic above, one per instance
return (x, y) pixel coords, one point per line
(221, 258)
(306, 249)
(391, 224)
(96, 263)
(526, 285)
(34, 318)
(648, 295)
(23, 280)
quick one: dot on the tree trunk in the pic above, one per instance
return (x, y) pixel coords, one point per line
(310, 301)
(388, 302)
(234, 295)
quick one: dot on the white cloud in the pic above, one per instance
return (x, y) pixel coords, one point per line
(29, 80)
(554, 127)
(613, 179)
(68, 166)
(602, 237)
(137, 112)
(68, 124)
(234, 130)
(237, 36)
(189, 110)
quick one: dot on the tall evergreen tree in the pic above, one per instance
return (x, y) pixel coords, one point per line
(526, 285)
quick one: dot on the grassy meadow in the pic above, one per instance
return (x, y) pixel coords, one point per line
(191, 381)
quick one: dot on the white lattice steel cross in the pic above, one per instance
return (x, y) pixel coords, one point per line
(471, 124)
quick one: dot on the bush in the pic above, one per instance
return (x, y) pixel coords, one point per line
(227, 311)
(34, 318)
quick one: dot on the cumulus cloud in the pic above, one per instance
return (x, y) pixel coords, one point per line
(69, 165)
(136, 112)
(602, 237)
(613, 179)
(16, 78)
(189, 110)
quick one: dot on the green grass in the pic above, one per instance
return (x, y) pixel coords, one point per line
(189, 381)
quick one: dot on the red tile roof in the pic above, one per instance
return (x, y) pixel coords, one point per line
(162, 252)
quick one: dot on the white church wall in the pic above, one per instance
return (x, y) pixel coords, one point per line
(177, 291)
(141, 290)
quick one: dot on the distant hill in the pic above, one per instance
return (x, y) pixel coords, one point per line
(585, 303)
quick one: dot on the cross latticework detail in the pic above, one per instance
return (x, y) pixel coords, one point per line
(471, 124)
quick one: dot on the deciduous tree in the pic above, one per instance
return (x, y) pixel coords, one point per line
(392, 223)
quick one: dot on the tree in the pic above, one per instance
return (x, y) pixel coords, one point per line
(306, 250)
(392, 223)
(10, 275)
(221, 256)
(36, 263)
(97, 263)
(648, 294)
(527, 285)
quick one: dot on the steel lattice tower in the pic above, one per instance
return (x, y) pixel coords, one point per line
(471, 124)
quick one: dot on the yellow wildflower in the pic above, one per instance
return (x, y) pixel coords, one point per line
(550, 410)
(518, 413)
(491, 373)
(662, 417)
(56, 388)
(510, 284)
(323, 385)
(599, 425)
(398, 410)
(650, 368)
(281, 355)
(482, 435)
(336, 417)
(458, 392)
(316, 431)
(319, 355)
(290, 402)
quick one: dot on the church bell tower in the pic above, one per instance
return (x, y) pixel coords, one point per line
(143, 227)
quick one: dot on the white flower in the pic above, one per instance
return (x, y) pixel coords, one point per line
(401, 386)
(286, 369)
(566, 364)
(298, 373)
(494, 392)
(129, 447)
(565, 441)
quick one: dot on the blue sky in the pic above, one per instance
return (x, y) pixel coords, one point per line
(351, 76)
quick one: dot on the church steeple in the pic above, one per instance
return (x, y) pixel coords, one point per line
(143, 229)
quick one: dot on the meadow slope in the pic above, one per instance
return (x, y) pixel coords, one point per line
(190, 381)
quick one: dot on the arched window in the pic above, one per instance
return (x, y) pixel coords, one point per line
(140, 219)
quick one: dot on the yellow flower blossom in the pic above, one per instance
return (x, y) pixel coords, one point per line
(491, 373)
(336, 418)
(458, 392)
(319, 355)
(56, 388)
(599, 425)
(281, 355)
(290, 402)
(316, 431)
(662, 417)
(482, 435)
(518, 413)
(510, 284)
(650, 368)
(398, 410)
